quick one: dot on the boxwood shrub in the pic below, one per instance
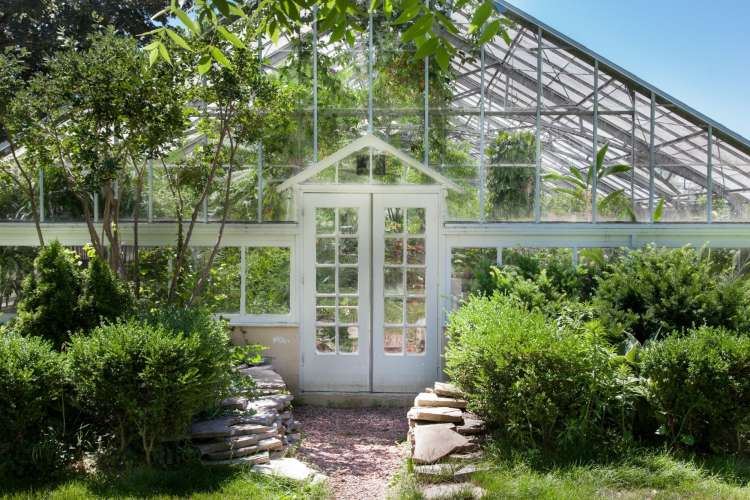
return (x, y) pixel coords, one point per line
(700, 386)
(148, 380)
(538, 383)
(32, 377)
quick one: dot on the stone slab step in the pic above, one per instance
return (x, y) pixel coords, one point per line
(233, 453)
(270, 444)
(435, 414)
(447, 390)
(433, 400)
(452, 491)
(471, 426)
(259, 458)
(223, 427)
(432, 443)
(290, 468)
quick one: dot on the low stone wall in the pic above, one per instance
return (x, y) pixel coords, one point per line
(254, 431)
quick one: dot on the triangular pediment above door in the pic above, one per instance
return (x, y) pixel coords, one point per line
(378, 148)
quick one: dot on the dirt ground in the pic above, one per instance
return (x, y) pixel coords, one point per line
(359, 449)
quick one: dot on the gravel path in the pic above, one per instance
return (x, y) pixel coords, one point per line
(359, 449)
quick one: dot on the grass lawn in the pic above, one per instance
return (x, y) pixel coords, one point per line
(639, 474)
(184, 482)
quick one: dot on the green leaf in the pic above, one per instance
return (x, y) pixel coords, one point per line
(481, 15)
(387, 7)
(600, 155)
(489, 32)
(204, 64)
(177, 39)
(222, 6)
(230, 37)
(164, 53)
(373, 4)
(659, 212)
(442, 57)
(219, 57)
(185, 19)
(446, 23)
(153, 55)
(410, 9)
(236, 11)
(420, 27)
(426, 49)
(615, 169)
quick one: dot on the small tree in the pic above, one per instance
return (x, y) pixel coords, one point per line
(49, 304)
(103, 295)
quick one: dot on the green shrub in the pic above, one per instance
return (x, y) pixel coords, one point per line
(49, 303)
(700, 385)
(540, 385)
(104, 295)
(32, 375)
(652, 292)
(149, 379)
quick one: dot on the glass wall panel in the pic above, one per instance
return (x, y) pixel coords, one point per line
(267, 280)
(731, 183)
(15, 264)
(14, 203)
(567, 160)
(154, 272)
(514, 87)
(567, 80)
(510, 166)
(60, 204)
(470, 272)
(222, 292)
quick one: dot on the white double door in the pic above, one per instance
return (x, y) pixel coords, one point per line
(370, 303)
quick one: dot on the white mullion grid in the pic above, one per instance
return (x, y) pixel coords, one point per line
(243, 281)
(337, 281)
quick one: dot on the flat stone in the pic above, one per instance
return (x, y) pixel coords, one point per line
(235, 403)
(270, 444)
(265, 378)
(428, 389)
(259, 458)
(433, 400)
(471, 426)
(471, 456)
(433, 414)
(229, 443)
(262, 417)
(290, 468)
(465, 472)
(431, 443)
(234, 453)
(435, 470)
(231, 426)
(452, 490)
(448, 390)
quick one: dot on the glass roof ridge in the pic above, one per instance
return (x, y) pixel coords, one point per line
(507, 8)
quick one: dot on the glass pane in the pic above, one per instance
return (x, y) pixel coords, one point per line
(394, 251)
(326, 301)
(415, 312)
(394, 280)
(325, 219)
(325, 280)
(415, 280)
(348, 301)
(348, 250)
(348, 315)
(325, 251)
(267, 276)
(393, 340)
(415, 340)
(394, 220)
(415, 251)
(326, 315)
(415, 220)
(325, 339)
(394, 310)
(348, 339)
(348, 279)
(348, 221)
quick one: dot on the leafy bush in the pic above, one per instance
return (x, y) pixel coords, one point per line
(700, 385)
(31, 386)
(652, 292)
(540, 385)
(151, 378)
(49, 304)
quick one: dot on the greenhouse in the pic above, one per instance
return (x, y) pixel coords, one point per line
(352, 230)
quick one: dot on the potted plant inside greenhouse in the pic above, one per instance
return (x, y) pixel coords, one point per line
(409, 249)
